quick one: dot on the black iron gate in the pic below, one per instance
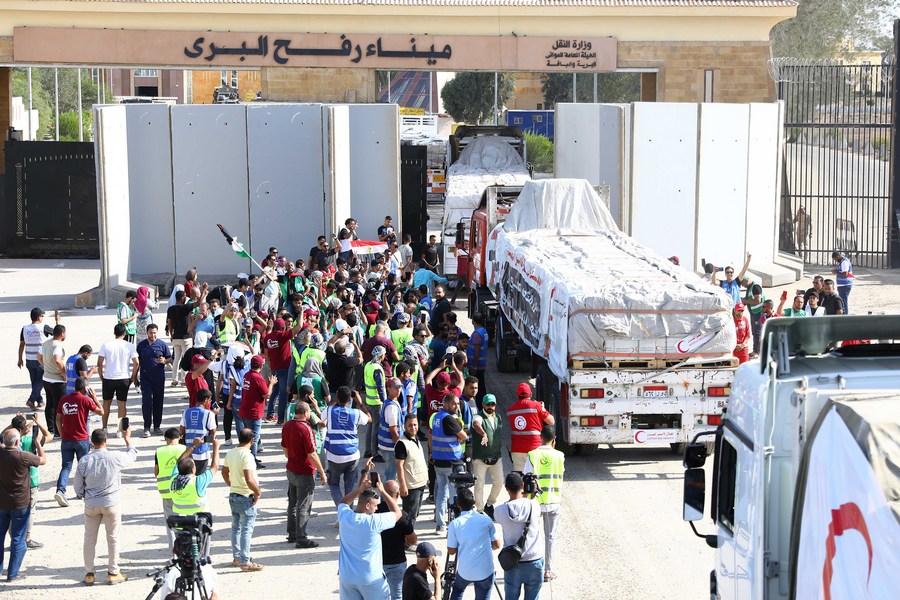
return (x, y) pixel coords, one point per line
(413, 193)
(836, 187)
(50, 207)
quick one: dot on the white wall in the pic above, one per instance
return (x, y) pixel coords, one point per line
(374, 166)
(112, 195)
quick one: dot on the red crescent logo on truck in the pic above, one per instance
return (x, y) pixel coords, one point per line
(847, 517)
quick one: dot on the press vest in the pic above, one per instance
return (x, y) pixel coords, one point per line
(525, 425)
(305, 356)
(238, 376)
(34, 339)
(481, 362)
(415, 467)
(844, 280)
(166, 459)
(226, 331)
(187, 501)
(195, 427)
(549, 465)
(443, 446)
(385, 441)
(492, 429)
(341, 436)
(71, 374)
(372, 397)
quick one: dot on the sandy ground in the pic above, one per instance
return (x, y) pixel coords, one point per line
(621, 534)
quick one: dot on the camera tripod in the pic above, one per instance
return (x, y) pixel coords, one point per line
(195, 583)
(448, 577)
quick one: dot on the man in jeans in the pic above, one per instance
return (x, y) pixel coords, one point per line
(342, 442)
(71, 423)
(512, 517)
(299, 443)
(98, 479)
(15, 497)
(471, 537)
(394, 542)
(412, 467)
(30, 340)
(254, 393)
(239, 472)
(52, 358)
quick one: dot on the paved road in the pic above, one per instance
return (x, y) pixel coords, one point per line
(621, 534)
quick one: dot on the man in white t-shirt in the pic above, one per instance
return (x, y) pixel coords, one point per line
(113, 360)
(52, 358)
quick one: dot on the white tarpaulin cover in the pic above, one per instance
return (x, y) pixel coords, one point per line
(849, 540)
(482, 163)
(575, 287)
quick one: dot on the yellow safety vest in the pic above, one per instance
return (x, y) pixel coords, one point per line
(372, 397)
(228, 333)
(166, 459)
(187, 501)
(306, 355)
(401, 337)
(549, 465)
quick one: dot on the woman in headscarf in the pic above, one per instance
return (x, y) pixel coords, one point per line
(178, 287)
(144, 308)
(314, 376)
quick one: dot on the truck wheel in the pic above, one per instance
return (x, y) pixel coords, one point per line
(505, 362)
(546, 389)
(587, 449)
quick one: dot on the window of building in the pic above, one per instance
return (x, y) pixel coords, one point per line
(517, 120)
(146, 72)
(537, 119)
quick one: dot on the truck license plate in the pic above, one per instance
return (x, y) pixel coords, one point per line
(656, 393)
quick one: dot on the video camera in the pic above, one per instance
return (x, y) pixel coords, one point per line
(530, 484)
(192, 537)
(462, 480)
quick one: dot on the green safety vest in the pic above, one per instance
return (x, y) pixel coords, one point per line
(372, 397)
(228, 333)
(401, 337)
(493, 449)
(187, 501)
(305, 356)
(166, 459)
(549, 465)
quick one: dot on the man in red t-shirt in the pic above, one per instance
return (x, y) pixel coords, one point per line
(194, 381)
(526, 418)
(255, 391)
(743, 331)
(71, 423)
(277, 344)
(299, 443)
(435, 392)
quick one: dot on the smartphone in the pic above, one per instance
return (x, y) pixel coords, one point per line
(208, 439)
(373, 477)
(35, 430)
(124, 424)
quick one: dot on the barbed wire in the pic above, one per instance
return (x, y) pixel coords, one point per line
(801, 70)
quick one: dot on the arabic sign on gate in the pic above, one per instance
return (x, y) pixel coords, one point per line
(235, 49)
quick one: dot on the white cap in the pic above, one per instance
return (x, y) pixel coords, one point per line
(340, 325)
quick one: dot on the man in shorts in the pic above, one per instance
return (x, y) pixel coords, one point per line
(113, 360)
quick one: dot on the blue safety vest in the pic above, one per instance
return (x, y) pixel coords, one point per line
(481, 362)
(443, 446)
(340, 436)
(71, 374)
(238, 376)
(195, 427)
(385, 441)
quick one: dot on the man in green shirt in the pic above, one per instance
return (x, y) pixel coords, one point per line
(128, 315)
(796, 308)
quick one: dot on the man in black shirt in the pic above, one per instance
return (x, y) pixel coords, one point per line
(386, 232)
(429, 259)
(817, 289)
(340, 367)
(441, 307)
(394, 542)
(321, 257)
(346, 235)
(177, 322)
(832, 303)
(415, 581)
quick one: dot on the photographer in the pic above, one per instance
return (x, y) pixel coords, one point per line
(360, 560)
(549, 464)
(512, 516)
(415, 580)
(471, 538)
(190, 490)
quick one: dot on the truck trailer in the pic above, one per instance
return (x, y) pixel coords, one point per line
(805, 485)
(626, 347)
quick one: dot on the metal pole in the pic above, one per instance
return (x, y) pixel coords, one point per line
(595, 88)
(496, 83)
(389, 87)
(430, 90)
(574, 88)
(30, 108)
(56, 99)
(80, 116)
(894, 213)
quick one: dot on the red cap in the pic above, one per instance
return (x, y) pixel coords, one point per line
(311, 311)
(198, 360)
(257, 362)
(674, 260)
(279, 324)
(523, 391)
(442, 378)
(739, 306)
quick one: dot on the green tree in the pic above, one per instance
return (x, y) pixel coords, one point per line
(469, 97)
(823, 28)
(539, 150)
(68, 126)
(68, 88)
(611, 87)
(41, 101)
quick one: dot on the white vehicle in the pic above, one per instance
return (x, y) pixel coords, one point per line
(628, 348)
(806, 475)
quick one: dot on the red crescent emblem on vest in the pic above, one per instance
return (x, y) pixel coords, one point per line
(847, 517)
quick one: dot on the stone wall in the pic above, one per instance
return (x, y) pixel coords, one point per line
(319, 85)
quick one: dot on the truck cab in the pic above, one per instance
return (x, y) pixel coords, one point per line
(802, 500)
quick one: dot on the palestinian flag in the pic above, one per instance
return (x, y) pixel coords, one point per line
(235, 245)
(366, 247)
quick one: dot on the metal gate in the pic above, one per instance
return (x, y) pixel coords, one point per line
(413, 194)
(50, 209)
(836, 189)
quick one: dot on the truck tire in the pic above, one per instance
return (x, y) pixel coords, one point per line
(587, 449)
(546, 389)
(506, 363)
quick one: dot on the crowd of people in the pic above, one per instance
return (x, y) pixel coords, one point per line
(751, 308)
(354, 364)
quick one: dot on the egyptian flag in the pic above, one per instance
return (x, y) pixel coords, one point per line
(367, 247)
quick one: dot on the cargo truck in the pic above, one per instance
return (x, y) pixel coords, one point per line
(805, 491)
(626, 347)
